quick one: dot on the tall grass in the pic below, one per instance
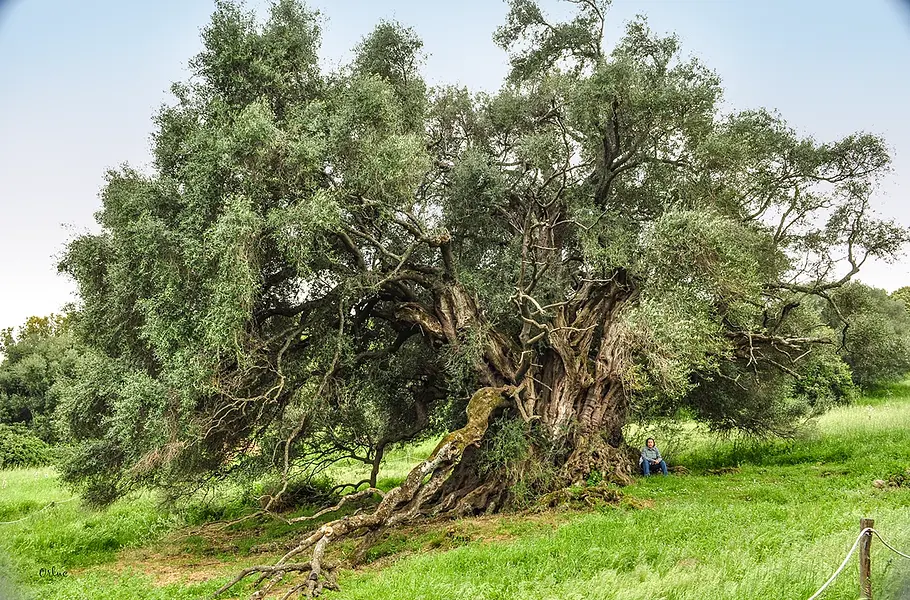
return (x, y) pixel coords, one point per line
(774, 524)
(46, 532)
(753, 519)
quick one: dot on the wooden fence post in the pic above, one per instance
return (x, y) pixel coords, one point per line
(865, 560)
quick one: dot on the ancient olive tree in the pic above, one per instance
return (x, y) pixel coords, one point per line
(325, 263)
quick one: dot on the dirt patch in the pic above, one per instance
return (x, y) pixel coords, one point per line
(195, 555)
(444, 534)
(169, 569)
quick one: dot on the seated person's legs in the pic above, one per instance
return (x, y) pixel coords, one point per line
(646, 467)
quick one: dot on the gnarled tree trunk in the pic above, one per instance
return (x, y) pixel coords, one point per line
(571, 392)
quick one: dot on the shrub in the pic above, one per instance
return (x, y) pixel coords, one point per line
(21, 448)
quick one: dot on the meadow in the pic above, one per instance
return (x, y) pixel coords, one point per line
(750, 519)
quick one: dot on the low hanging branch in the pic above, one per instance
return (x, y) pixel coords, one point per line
(398, 505)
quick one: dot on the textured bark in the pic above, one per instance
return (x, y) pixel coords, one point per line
(577, 391)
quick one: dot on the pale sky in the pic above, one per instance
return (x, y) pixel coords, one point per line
(80, 81)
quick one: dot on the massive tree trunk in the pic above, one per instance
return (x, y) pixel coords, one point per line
(569, 390)
(572, 391)
(575, 387)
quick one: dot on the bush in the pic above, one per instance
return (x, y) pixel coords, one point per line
(21, 448)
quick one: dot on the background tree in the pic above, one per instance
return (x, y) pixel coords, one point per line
(35, 356)
(876, 339)
(325, 263)
(903, 295)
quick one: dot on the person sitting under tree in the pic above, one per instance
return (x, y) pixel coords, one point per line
(651, 458)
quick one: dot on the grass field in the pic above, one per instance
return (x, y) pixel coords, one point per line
(750, 520)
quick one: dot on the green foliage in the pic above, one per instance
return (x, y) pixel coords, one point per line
(745, 395)
(763, 403)
(507, 448)
(903, 295)
(461, 360)
(544, 45)
(35, 357)
(19, 447)
(825, 382)
(875, 333)
(99, 387)
(522, 455)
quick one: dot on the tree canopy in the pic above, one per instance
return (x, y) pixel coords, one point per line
(875, 332)
(324, 263)
(34, 358)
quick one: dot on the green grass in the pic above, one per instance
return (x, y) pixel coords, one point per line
(775, 524)
(774, 527)
(68, 538)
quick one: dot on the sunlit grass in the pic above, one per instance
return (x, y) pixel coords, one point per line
(753, 519)
(46, 529)
(775, 524)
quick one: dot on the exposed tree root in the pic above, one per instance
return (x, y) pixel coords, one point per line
(399, 505)
(589, 495)
(277, 573)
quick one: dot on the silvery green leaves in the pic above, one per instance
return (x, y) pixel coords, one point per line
(324, 263)
(536, 44)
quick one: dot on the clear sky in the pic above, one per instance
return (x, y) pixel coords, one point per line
(79, 82)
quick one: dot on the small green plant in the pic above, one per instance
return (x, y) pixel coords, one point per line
(507, 447)
(594, 477)
(522, 457)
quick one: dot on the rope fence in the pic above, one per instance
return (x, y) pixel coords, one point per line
(889, 546)
(35, 512)
(865, 535)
